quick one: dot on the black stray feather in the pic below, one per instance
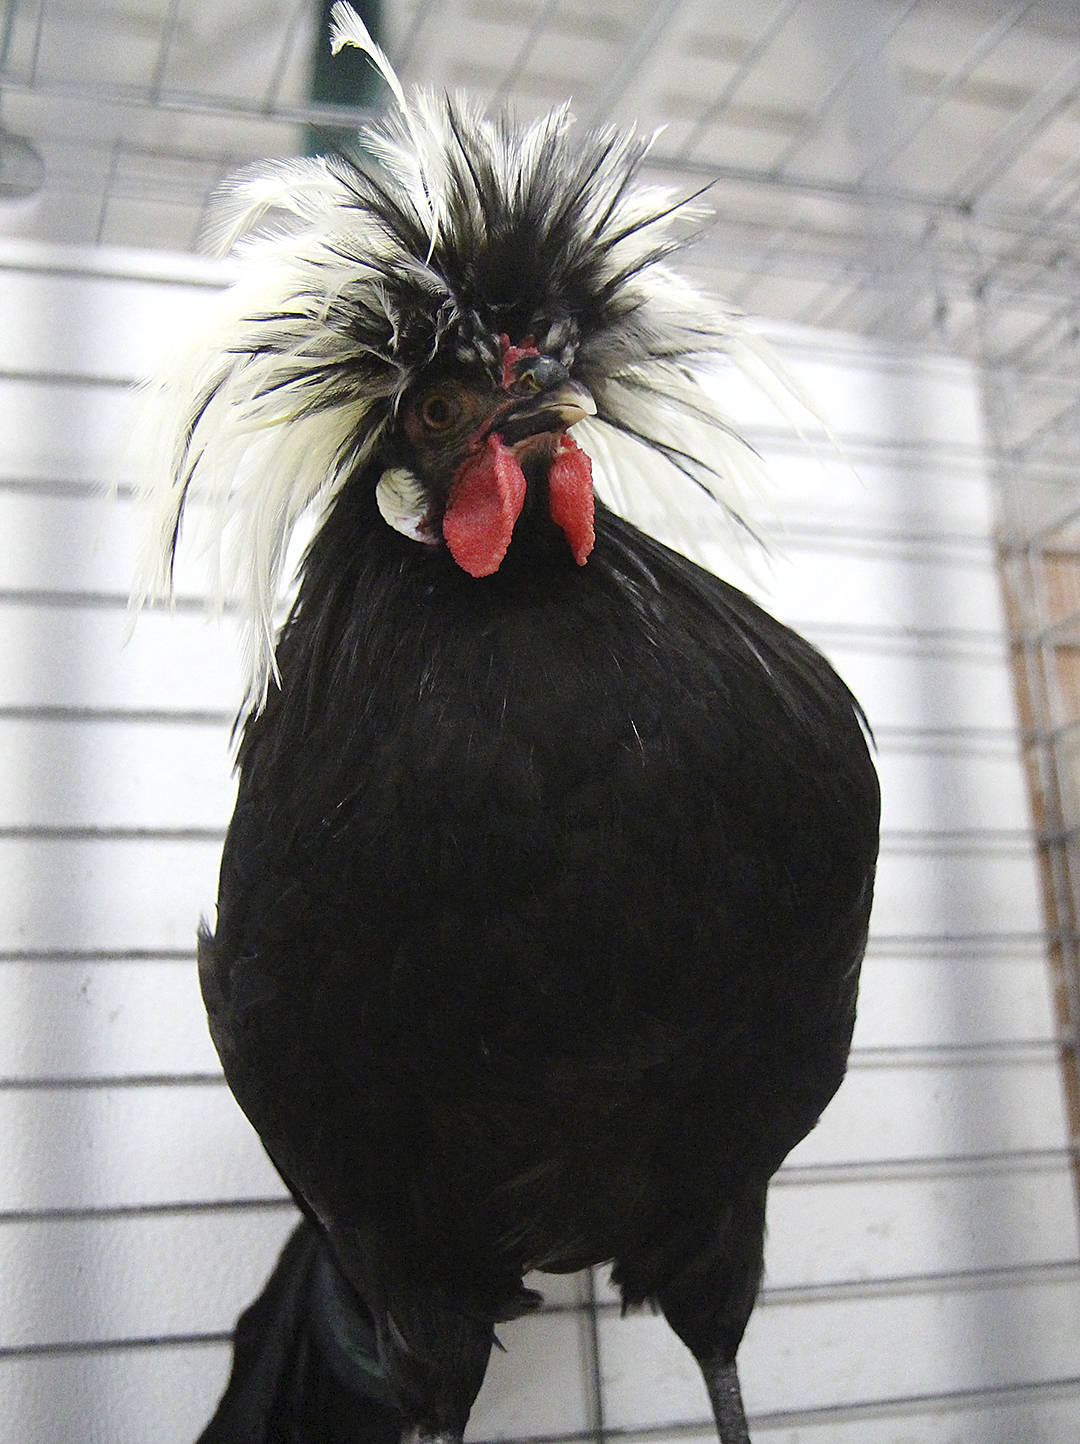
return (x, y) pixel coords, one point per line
(542, 906)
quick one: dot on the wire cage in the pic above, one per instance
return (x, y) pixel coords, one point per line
(896, 189)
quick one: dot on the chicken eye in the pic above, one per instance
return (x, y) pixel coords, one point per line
(439, 411)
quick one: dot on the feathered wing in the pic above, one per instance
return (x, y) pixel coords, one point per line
(351, 280)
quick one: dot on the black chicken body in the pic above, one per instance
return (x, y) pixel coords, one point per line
(542, 906)
(539, 929)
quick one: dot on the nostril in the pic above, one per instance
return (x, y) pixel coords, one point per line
(539, 373)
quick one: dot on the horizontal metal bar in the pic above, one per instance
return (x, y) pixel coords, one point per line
(957, 841)
(992, 217)
(82, 957)
(1053, 642)
(1059, 836)
(118, 1212)
(170, 101)
(181, 717)
(66, 378)
(1019, 1160)
(839, 1291)
(912, 1405)
(897, 738)
(64, 1349)
(789, 1176)
(947, 945)
(64, 489)
(905, 1285)
(100, 601)
(997, 1053)
(1053, 735)
(44, 832)
(118, 1082)
(933, 640)
(982, 842)
(970, 947)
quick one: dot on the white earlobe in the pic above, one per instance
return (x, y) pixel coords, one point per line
(404, 505)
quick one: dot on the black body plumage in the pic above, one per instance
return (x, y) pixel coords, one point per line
(543, 902)
(539, 929)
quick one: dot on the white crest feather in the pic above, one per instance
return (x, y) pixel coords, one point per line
(255, 461)
(304, 189)
(347, 28)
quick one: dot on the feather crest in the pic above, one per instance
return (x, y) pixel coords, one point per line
(347, 28)
(348, 291)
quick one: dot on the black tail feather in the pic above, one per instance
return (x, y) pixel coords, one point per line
(304, 1361)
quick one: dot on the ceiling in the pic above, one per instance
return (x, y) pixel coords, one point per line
(883, 166)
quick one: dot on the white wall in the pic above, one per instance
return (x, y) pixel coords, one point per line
(922, 1281)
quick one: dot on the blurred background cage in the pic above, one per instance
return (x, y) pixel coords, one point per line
(897, 194)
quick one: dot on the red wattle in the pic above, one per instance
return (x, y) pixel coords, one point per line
(485, 503)
(570, 497)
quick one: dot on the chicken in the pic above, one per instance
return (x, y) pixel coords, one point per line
(542, 907)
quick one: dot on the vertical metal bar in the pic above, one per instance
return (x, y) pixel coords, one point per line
(224, 170)
(35, 54)
(746, 66)
(901, 299)
(984, 46)
(10, 11)
(544, 14)
(1064, 188)
(281, 64)
(106, 196)
(644, 45)
(168, 34)
(779, 240)
(1043, 669)
(1024, 575)
(875, 46)
(597, 1421)
(1047, 431)
(1044, 108)
(832, 298)
(425, 9)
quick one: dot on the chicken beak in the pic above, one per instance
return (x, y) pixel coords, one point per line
(571, 402)
(551, 410)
